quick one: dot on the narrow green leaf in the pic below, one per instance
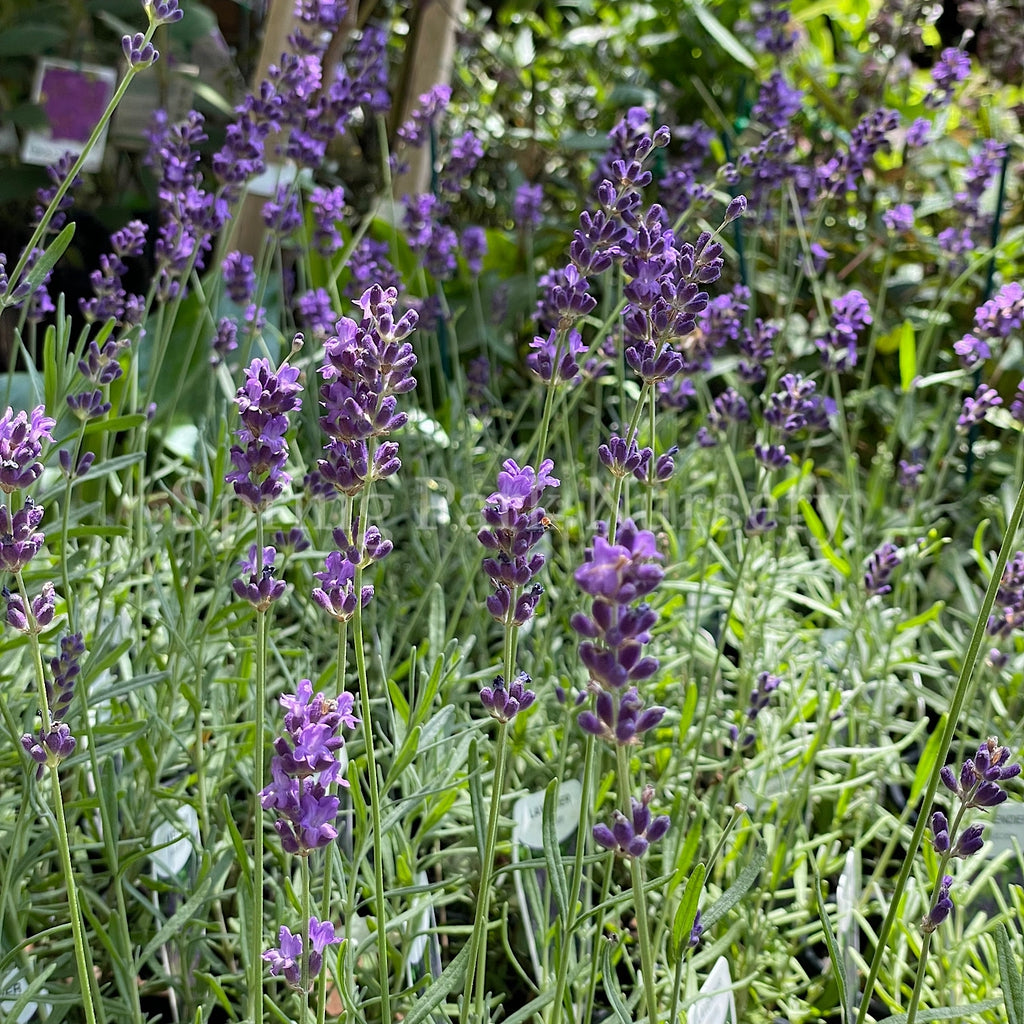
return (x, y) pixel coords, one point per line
(689, 709)
(908, 356)
(838, 967)
(404, 757)
(721, 35)
(398, 702)
(926, 764)
(51, 376)
(435, 994)
(744, 880)
(1010, 977)
(611, 987)
(686, 913)
(928, 615)
(126, 422)
(239, 846)
(817, 528)
(436, 620)
(552, 853)
(476, 795)
(54, 251)
(964, 1012)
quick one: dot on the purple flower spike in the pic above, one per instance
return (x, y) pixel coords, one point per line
(306, 762)
(336, 593)
(515, 524)
(979, 782)
(285, 959)
(969, 841)
(632, 836)
(21, 442)
(57, 745)
(42, 607)
(940, 832)
(526, 208)
(259, 588)
(19, 541)
(138, 52)
(880, 567)
(368, 366)
(976, 408)
(163, 12)
(941, 910)
(616, 576)
(264, 402)
(554, 361)
(851, 313)
(504, 703)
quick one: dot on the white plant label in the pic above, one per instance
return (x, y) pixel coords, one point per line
(167, 862)
(715, 1004)
(528, 815)
(1004, 826)
(419, 926)
(847, 896)
(11, 988)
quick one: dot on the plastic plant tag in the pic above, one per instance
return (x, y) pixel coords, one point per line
(11, 987)
(532, 889)
(761, 787)
(419, 927)
(528, 815)
(74, 97)
(181, 834)
(1005, 825)
(715, 1003)
(847, 896)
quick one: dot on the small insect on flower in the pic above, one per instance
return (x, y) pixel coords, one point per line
(549, 524)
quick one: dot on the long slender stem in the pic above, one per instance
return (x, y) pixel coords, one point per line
(259, 747)
(962, 691)
(639, 897)
(85, 974)
(477, 969)
(380, 911)
(304, 970)
(577, 879)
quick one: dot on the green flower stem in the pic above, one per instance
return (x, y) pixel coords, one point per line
(639, 896)
(963, 690)
(549, 398)
(259, 746)
(325, 895)
(306, 910)
(380, 911)
(85, 974)
(86, 978)
(477, 966)
(582, 830)
(631, 432)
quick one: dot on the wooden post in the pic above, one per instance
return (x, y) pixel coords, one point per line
(429, 62)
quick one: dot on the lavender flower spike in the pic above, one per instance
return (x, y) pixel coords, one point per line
(21, 442)
(504, 703)
(632, 836)
(980, 779)
(285, 959)
(264, 401)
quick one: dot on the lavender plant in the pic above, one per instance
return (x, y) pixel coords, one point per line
(769, 336)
